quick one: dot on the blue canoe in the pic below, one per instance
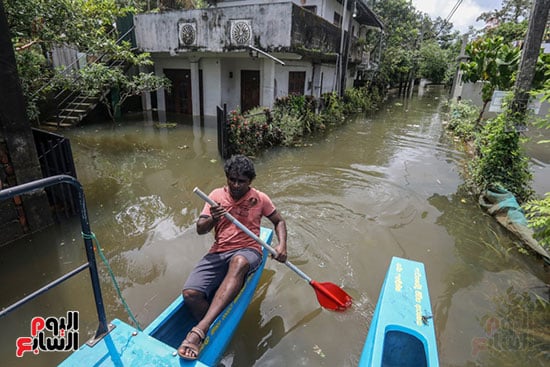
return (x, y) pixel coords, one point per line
(156, 345)
(402, 331)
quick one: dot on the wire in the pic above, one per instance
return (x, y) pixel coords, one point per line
(100, 251)
(453, 10)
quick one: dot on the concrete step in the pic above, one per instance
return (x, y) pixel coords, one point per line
(56, 124)
(70, 110)
(70, 117)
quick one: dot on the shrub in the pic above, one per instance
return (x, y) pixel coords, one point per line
(357, 100)
(295, 116)
(333, 111)
(252, 133)
(292, 118)
(462, 119)
(501, 159)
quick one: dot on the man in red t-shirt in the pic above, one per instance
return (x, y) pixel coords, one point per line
(220, 274)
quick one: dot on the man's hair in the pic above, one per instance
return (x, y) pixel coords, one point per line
(239, 165)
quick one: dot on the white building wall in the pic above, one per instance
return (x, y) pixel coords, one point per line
(231, 79)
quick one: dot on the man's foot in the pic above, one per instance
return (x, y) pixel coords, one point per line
(190, 347)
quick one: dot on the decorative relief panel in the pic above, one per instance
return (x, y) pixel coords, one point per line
(241, 32)
(187, 34)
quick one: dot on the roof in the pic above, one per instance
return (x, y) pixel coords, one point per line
(366, 16)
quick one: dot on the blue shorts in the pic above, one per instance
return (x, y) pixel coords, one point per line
(209, 273)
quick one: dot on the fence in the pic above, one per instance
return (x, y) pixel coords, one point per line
(56, 158)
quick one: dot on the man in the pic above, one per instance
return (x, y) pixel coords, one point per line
(220, 274)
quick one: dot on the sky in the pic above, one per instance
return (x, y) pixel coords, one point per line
(464, 16)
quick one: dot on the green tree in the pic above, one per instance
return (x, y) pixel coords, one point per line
(511, 20)
(406, 32)
(401, 37)
(97, 78)
(493, 62)
(434, 61)
(37, 26)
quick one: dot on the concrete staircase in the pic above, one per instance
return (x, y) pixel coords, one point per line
(73, 110)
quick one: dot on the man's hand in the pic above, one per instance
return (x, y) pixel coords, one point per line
(281, 253)
(217, 211)
(205, 223)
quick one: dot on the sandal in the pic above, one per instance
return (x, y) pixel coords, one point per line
(193, 347)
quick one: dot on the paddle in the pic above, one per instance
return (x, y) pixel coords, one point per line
(329, 295)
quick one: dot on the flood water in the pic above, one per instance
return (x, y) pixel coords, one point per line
(379, 186)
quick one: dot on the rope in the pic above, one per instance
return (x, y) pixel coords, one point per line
(100, 251)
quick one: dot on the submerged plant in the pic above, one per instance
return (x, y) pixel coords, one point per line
(517, 333)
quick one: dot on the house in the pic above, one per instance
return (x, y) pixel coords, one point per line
(248, 53)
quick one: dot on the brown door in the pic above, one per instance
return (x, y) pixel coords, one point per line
(250, 89)
(296, 82)
(179, 99)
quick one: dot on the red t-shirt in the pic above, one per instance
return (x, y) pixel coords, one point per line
(248, 210)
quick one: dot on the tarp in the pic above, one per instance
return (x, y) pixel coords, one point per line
(502, 204)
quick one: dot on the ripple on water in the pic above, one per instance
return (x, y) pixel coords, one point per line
(141, 215)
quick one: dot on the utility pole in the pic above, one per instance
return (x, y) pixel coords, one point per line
(531, 49)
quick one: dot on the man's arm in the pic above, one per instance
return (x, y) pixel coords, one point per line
(207, 222)
(280, 231)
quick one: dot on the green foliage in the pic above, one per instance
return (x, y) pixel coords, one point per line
(358, 100)
(542, 74)
(461, 120)
(509, 31)
(32, 64)
(502, 160)
(295, 116)
(250, 134)
(334, 109)
(493, 62)
(434, 61)
(86, 25)
(406, 30)
(512, 20)
(292, 119)
(98, 78)
(538, 216)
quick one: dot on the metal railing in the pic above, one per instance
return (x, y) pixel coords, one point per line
(65, 98)
(103, 327)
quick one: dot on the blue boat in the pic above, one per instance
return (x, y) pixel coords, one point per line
(156, 345)
(402, 331)
(119, 344)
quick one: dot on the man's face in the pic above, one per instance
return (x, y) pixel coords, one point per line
(238, 185)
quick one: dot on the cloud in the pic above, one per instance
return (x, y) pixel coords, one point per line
(464, 16)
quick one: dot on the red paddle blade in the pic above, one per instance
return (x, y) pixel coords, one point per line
(331, 297)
